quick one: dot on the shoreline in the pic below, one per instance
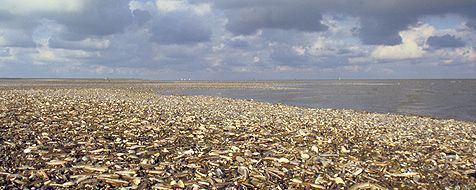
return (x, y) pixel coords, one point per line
(361, 111)
(87, 137)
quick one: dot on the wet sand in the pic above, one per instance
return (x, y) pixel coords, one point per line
(108, 134)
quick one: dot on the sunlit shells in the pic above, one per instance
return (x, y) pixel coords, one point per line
(93, 168)
(56, 162)
(27, 150)
(364, 186)
(407, 174)
(243, 171)
(283, 160)
(305, 156)
(98, 134)
(240, 159)
(339, 180)
(115, 182)
(315, 149)
(344, 150)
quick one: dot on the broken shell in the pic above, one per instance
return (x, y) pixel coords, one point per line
(408, 174)
(114, 135)
(283, 160)
(136, 181)
(68, 184)
(129, 172)
(94, 169)
(298, 181)
(316, 186)
(240, 159)
(357, 172)
(189, 152)
(115, 182)
(305, 156)
(344, 150)
(339, 180)
(26, 151)
(154, 172)
(243, 171)
(56, 163)
(180, 184)
(315, 149)
(361, 186)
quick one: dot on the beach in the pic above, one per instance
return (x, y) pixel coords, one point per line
(97, 134)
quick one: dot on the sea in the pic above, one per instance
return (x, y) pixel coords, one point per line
(445, 99)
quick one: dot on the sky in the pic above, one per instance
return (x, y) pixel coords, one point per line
(238, 39)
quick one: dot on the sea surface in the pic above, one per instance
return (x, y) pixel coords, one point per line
(449, 99)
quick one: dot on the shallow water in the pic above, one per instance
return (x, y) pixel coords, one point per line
(435, 98)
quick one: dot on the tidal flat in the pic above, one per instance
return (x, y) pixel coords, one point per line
(101, 134)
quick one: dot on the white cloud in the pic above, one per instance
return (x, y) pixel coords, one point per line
(87, 44)
(26, 7)
(412, 46)
(463, 55)
(169, 5)
(47, 55)
(3, 41)
(14, 37)
(299, 50)
(188, 36)
(176, 5)
(256, 59)
(407, 50)
(283, 68)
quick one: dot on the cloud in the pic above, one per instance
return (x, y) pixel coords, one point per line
(85, 17)
(4, 52)
(238, 43)
(141, 16)
(381, 21)
(15, 38)
(411, 48)
(471, 24)
(445, 41)
(249, 20)
(47, 56)
(98, 18)
(234, 39)
(85, 44)
(383, 31)
(27, 7)
(180, 28)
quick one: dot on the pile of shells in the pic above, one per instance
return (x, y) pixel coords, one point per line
(134, 139)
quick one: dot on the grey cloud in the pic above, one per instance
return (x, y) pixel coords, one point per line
(99, 18)
(82, 45)
(17, 38)
(344, 51)
(141, 16)
(189, 58)
(238, 43)
(95, 19)
(445, 41)
(24, 22)
(247, 20)
(375, 31)
(181, 41)
(471, 24)
(381, 21)
(286, 56)
(180, 28)
(4, 52)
